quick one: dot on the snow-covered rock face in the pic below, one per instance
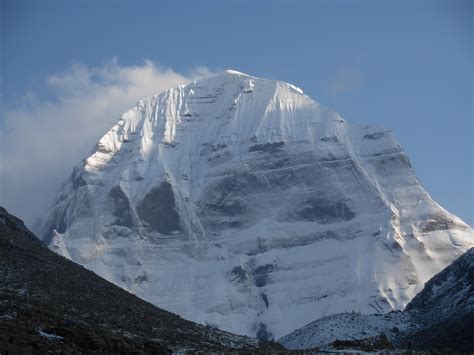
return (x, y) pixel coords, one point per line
(242, 203)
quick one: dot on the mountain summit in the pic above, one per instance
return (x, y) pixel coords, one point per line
(242, 203)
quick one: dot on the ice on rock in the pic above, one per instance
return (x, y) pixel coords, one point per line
(251, 207)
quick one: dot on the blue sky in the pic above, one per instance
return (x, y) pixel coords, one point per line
(403, 65)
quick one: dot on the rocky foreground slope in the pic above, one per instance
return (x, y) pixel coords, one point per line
(50, 303)
(440, 318)
(445, 308)
(242, 203)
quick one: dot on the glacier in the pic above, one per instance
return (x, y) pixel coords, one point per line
(242, 203)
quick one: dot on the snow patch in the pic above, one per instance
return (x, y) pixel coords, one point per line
(50, 336)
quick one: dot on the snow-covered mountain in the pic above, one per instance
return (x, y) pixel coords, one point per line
(242, 203)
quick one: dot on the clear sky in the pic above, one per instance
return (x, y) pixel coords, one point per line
(403, 65)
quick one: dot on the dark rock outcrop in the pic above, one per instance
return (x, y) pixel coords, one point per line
(158, 209)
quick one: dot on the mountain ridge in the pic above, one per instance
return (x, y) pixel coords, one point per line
(440, 318)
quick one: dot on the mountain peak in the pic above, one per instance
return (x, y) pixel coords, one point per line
(232, 190)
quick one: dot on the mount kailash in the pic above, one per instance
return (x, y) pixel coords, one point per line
(242, 203)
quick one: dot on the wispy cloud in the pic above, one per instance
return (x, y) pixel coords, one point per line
(42, 139)
(346, 80)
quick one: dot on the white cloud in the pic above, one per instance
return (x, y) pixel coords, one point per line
(42, 140)
(346, 79)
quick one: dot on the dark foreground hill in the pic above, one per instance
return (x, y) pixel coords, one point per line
(445, 309)
(50, 303)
